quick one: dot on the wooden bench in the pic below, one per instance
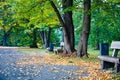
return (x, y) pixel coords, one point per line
(111, 61)
(57, 51)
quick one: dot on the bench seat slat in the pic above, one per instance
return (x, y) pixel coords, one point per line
(109, 59)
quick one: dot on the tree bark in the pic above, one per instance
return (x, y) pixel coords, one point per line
(67, 16)
(67, 25)
(82, 48)
(48, 38)
(43, 35)
(5, 40)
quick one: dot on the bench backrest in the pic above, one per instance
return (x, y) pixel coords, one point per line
(115, 45)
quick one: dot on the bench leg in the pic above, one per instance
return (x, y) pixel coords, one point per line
(117, 67)
(56, 52)
(106, 65)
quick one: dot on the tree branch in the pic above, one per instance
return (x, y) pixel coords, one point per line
(57, 13)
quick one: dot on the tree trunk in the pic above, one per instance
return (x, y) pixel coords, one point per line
(5, 40)
(48, 38)
(82, 48)
(34, 41)
(43, 35)
(62, 35)
(6, 35)
(69, 28)
(67, 24)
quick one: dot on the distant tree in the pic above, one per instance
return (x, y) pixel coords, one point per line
(34, 15)
(45, 36)
(6, 21)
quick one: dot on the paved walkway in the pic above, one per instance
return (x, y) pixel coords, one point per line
(11, 70)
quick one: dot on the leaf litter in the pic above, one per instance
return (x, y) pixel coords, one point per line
(33, 67)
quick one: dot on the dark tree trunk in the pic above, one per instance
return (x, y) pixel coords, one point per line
(34, 41)
(35, 38)
(69, 28)
(43, 35)
(48, 38)
(67, 25)
(62, 35)
(5, 40)
(6, 35)
(82, 48)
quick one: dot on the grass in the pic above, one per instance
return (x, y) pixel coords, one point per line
(116, 76)
(93, 54)
(31, 50)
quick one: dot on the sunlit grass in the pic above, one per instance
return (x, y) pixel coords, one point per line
(93, 54)
(31, 50)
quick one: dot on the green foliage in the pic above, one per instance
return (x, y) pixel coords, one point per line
(1, 36)
(6, 20)
(115, 1)
(77, 20)
(37, 12)
(19, 37)
(21, 14)
(105, 22)
(116, 76)
(29, 16)
(56, 36)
